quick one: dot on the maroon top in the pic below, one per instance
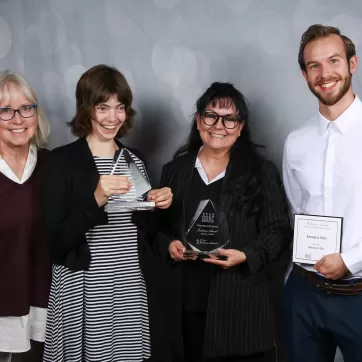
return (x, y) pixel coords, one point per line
(25, 267)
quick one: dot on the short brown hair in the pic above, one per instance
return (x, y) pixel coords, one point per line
(95, 86)
(320, 31)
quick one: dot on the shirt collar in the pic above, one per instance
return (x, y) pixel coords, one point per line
(29, 166)
(350, 116)
(202, 173)
(198, 163)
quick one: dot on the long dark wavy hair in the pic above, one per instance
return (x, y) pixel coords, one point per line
(245, 173)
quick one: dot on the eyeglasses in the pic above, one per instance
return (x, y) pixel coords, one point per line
(229, 121)
(27, 111)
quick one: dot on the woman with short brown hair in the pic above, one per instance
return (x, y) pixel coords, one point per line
(98, 309)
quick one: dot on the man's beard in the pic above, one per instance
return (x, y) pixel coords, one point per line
(331, 100)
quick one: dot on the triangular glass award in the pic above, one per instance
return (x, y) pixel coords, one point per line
(124, 165)
(207, 231)
(140, 182)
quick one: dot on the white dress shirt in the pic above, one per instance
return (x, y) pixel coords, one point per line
(16, 332)
(203, 175)
(322, 174)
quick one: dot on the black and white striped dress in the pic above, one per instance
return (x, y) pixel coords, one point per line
(101, 315)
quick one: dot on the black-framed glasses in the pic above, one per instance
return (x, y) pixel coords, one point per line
(27, 111)
(229, 121)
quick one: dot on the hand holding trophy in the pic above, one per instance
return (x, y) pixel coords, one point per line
(206, 233)
(110, 185)
(135, 198)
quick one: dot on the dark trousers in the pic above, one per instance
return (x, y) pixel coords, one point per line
(193, 335)
(317, 322)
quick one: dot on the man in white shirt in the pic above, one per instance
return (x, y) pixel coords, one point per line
(322, 174)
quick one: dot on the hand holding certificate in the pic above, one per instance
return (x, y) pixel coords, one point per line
(332, 266)
(315, 237)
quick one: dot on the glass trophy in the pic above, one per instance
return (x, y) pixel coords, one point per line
(206, 233)
(135, 199)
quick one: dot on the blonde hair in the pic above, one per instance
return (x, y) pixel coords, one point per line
(43, 128)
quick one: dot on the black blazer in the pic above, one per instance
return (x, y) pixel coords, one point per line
(241, 313)
(67, 197)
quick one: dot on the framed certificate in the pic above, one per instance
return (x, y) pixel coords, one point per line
(316, 236)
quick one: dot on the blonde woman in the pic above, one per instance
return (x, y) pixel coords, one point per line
(25, 269)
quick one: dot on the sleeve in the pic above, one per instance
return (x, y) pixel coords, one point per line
(41, 267)
(274, 228)
(291, 186)
(353, 258)
(66, 221)
(163, 221)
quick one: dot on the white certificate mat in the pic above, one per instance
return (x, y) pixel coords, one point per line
(316, 236)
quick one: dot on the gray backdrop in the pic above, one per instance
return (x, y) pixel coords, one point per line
(170, 51)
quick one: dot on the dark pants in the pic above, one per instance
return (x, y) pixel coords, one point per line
(34, 355)
(193, 335)
(317, 322)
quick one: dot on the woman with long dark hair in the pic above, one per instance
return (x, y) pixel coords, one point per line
(227, 304)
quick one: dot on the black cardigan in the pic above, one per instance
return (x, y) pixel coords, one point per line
(241, 313)
(69, 180)
(70, 210)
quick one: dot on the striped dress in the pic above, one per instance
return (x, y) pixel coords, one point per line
(101, 315)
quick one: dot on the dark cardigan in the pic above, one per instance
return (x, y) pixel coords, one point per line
(241, 316)
(70, 210)
(25, 267)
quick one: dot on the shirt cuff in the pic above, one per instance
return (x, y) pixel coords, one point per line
(353, 259)
(252, 259)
